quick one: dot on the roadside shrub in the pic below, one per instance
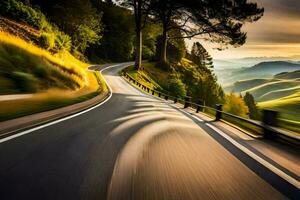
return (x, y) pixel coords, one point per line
(176, 87)
(84, 36)
(25, 82)
(47, 40)
(235, 105)
(21, 12)
(63, 42)
(147, 53)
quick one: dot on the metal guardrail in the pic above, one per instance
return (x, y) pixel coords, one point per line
(267, 125)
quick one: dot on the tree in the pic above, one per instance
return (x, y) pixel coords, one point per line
(250, 102)
(235, 105)
(218, 21)
(176, 49)
(200, 56)
(140, 10)
(77, 18)
(116, 43)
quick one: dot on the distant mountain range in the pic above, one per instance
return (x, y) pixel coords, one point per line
(271, 68)
(266, 69)
(250, 61)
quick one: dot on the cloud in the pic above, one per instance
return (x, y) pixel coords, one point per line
(277, 33)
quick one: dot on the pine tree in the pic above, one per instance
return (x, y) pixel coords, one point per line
(250, 102)
(201, 57)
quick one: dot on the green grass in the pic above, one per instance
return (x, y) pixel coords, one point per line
(143, 76)
(289, 106)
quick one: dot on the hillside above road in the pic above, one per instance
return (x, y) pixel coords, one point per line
(54, 79)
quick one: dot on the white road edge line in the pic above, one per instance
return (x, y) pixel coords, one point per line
(262, 161)
(265, 163)
(65, 118)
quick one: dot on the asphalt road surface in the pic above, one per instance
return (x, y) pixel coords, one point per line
(133, 146)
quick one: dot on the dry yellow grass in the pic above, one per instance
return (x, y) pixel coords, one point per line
(64, 61)
(65, 64)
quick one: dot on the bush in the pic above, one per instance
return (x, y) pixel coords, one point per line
(236, 105)
(63, 42)
(176, 87)
(47, 40)
(21, 12)
(147, 53)
(25, 82)
(85, 36)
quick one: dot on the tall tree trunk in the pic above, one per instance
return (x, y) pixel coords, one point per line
(138, 53)
(163, 55)
(138, 31)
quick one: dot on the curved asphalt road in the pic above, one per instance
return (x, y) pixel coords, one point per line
(132, 147)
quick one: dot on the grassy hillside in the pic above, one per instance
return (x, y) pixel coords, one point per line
(243, 85)
(183, 79)
(288, 75)
(273, 90)
(277, 94)
(289, 105)
(289, 109)
(55, 80)
(26, 68)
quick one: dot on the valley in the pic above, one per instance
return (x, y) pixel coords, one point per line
(274, 85)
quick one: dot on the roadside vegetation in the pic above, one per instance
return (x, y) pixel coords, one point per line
(44, 51)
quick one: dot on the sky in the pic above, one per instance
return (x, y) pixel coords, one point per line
(276, 34)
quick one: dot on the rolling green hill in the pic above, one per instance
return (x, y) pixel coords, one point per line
(282, 85)
(241, 86)
(282, 94)
(289, 106)
(288, 75)
(279, 87)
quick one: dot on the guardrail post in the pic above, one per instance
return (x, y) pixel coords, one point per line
(218, 111)
(199, 106)
(187, 101)
(270, 118)
(166, 97)
(153, 92)
(148, 90)
(159, 94)
(175, 100)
